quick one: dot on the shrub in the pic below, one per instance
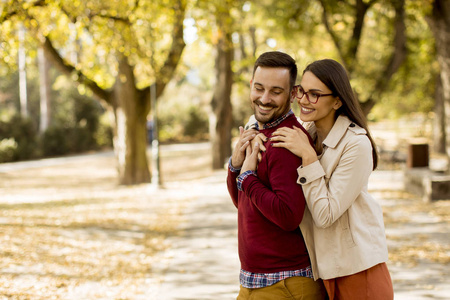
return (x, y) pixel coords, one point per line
(24, 134)
(8, 149)
(104, 134)
(197, 123)
(183, 124)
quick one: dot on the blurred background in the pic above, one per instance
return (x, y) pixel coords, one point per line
(87, 75)
(170, 78)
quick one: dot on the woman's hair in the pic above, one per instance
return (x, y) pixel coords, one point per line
(335, 77)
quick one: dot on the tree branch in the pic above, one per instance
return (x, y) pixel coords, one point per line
(360, 14)
(8, 15)
(166, 72)
(333, 35)
(66, 68)
(399, 53)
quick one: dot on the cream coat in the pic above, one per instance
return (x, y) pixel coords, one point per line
(343, 228)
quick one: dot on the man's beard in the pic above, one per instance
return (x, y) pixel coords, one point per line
(266, 118)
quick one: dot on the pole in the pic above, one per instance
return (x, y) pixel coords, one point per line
(156, 174)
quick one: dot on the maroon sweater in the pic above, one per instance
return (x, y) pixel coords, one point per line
(270, 210)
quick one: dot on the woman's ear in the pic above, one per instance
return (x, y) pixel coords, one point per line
(337, 104)
(293, 95)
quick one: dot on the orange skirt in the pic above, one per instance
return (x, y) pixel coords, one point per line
(374, 283)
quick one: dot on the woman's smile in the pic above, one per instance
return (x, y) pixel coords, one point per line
(306, 110)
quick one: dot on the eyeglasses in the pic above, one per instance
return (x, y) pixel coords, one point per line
(312, 97)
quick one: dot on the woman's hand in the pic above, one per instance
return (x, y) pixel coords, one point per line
(251, 158)
(296, 141)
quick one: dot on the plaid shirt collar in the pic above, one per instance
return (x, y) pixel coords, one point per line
(276, 122)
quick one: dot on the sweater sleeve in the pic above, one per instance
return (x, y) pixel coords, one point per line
(282, 202)
(232, 185)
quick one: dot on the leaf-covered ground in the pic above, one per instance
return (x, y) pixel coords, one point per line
(418, 238)
(68, 231)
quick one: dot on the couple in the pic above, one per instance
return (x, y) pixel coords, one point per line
(307, 227)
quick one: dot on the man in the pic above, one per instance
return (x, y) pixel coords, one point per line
(274, 260)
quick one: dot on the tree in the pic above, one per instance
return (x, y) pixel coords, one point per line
(222, 120)
(439, 22)
(125, 48)
(336, 12)
(220, 13)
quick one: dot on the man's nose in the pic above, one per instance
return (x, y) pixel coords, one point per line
(265, 98)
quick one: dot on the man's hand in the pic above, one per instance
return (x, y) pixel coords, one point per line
(239, 151)
(251, 159)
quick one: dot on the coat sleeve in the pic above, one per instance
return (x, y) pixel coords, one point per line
(327, 202)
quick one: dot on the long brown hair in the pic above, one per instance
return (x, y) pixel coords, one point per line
(335, 77)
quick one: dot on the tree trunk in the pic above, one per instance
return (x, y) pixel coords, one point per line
(439, 22)
(44, 89)
(439, 137)
(222, 118)
(130, 138)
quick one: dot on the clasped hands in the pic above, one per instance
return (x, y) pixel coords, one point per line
(251, 142)
(245, 154)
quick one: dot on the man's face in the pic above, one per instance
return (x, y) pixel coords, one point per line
(270, 95)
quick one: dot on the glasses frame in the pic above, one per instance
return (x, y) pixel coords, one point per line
(298, 88)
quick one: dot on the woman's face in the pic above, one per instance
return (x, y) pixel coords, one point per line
(324, 110)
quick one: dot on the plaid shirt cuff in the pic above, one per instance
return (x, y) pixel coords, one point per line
(234, 170)
(242, 177)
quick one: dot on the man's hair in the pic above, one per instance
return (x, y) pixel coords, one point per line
(277, 59)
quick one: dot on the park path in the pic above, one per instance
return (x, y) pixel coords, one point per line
(202, 262)
(194, 255)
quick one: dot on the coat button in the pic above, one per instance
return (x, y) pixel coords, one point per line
(302, 180)
(352, 125)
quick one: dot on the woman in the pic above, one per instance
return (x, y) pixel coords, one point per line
(348, 232)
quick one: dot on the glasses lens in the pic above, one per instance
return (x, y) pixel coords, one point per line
(300, 92)
(313, 97)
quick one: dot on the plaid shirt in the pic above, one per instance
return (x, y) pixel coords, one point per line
(271, 124)
(259, 280)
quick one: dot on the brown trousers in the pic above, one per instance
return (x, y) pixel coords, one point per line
(293, 288)
(372, 284)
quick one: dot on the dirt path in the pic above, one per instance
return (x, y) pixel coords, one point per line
(68, 231)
